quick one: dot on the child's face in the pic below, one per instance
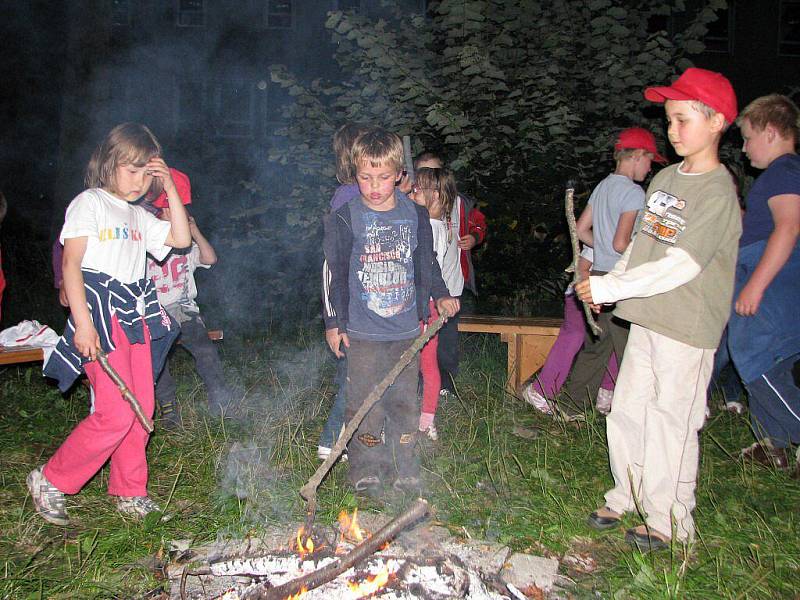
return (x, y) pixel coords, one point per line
(376, 185)
(690, 132)
(756, 144)
(427, 197)
(131, 182)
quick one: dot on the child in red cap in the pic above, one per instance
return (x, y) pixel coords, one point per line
(606, 225)
(674, 284)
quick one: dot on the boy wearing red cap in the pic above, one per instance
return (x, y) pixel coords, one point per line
(674, 284)
(606, 225)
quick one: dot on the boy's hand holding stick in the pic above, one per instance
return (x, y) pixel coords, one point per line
(569, 203)
(102, 358)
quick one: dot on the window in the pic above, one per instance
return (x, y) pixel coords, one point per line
(275, 99)
(719, 38)
(120, 13)
(191, 13)
(279, 14)
(789, 28)
(235, 109)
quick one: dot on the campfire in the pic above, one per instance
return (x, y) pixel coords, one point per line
(403, 558)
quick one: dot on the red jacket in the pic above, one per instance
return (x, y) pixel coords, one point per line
(471, 221)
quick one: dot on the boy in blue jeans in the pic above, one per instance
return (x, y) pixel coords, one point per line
(379, 249)
(674, 284)
(764, 332)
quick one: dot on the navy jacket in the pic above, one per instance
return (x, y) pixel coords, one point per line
(338, 246)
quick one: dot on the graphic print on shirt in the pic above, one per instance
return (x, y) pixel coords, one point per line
(386, 270)
(170, 276)
(660, 221)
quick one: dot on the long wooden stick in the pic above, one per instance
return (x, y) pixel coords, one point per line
(127, 394)
(309, 490)
(569, 205)
(365, 549)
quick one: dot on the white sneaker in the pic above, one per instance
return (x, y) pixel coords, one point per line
(603, 401)
(734, 407)
(137, 506)
(48, 500)
(536, 400)
(431, 432)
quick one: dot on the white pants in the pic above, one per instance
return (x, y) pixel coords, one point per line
(659, 406)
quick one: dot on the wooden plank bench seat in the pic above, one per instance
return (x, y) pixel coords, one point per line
(12, 355)
(529, 340)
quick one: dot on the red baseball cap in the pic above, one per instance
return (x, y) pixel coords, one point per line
(711, 88)
(635, 138)
(183, 186)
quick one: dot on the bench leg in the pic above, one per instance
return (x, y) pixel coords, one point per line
(532, 353)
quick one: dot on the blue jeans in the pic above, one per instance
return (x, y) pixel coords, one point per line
(775, 405)
(335, 422)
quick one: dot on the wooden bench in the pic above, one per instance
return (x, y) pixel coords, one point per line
(529, 340)
(12, 355)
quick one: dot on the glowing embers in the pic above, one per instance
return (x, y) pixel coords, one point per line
(299, 594)
(371, 584)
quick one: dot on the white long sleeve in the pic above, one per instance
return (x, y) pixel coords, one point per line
(648, 279)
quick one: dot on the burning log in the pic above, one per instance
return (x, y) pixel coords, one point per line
(365, 549)
(127, 394)
(569, 205)
(309, 490)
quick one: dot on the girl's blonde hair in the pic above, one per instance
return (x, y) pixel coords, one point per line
(343, 141)
(126, 144)
(442, 181)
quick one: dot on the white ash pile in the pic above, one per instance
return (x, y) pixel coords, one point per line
(425, 562)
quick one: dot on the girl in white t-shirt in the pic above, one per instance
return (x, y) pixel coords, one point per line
(112, 306)
(436, 190)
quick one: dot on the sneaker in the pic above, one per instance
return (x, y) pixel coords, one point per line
(323, 452)
(734, 407)
(48, 500)
(536, 400)
(407, 484)
(137, 506)
(432, 434)
(603, 401)
(171, 416)
(369, 486)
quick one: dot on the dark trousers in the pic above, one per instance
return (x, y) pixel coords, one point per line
(724, 378)
(591, 363)
(335, 422)
(396, 414)
(447, 354)
(194, 338)
(775, 405)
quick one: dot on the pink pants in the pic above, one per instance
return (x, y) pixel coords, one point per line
(570, 340)
(429, 367)
(112, 431)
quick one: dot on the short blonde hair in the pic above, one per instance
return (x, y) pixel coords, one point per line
(126, 144)
(378, 147)
(343, 141)
(708, 112)
(776, 110)
(623, 153)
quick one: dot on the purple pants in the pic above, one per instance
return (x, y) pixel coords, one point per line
(552, 375)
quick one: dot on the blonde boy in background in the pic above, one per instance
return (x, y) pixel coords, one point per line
(674, 284)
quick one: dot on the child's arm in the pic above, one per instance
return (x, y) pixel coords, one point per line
(785, 211)
(86, 339)
(208, 255)
(584, 226)
(622, 235)
(476, 230)
(334, 291)
(179, 235)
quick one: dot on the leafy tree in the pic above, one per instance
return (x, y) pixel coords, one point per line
(518, 95)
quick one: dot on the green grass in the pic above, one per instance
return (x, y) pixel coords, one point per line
(482, 480)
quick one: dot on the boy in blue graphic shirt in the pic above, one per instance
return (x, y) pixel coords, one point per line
(379, 248)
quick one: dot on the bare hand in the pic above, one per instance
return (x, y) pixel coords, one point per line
(448, 306)
(335, 340)
(467, 242)
(748, 301)
(583, 289)
(404, 185)
(156, 167)
(87, 341)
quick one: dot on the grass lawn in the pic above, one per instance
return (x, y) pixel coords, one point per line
(482, 479)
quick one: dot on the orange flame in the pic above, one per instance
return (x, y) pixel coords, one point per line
(371, 585)
(302, 592)
(304, 549)
(350, 528)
